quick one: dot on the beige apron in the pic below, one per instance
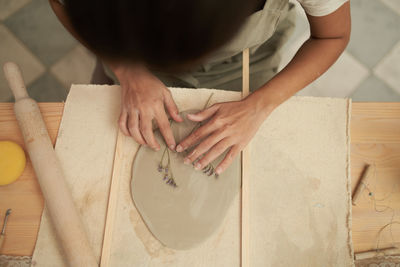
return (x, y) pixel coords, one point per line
(264, 33)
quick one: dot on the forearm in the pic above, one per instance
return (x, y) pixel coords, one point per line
(313, 58)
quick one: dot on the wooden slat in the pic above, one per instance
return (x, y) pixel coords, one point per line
(24, 196)
(245, 197)
(112, 201)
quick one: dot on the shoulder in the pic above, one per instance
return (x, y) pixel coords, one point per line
(321, 7)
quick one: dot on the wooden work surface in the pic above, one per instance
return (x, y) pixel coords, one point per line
(375, 138)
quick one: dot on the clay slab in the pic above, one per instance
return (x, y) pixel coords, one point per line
(181, 217)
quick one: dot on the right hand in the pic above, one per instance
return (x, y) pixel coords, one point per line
(144, 98)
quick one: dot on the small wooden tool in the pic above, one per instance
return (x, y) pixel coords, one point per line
(58, 199)
(361, 184)
(3, 230)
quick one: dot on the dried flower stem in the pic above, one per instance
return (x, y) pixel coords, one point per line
(168, 175)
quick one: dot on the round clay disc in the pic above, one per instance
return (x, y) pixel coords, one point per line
(12, 162)
(181, 217)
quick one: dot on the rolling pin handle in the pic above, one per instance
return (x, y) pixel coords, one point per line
(15, 81)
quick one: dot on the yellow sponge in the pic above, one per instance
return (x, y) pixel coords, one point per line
(12, 162)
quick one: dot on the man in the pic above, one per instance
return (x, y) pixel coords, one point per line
(149, 44)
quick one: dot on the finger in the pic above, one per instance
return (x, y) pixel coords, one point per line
(122, 122)
(146, 129)
(214, 152)
(204, 114)
(196, 136)
(229, 157)
(203, 147)
(133, 127)
(171, 107)
(165, 129)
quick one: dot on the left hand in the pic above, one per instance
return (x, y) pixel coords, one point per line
(231, 126)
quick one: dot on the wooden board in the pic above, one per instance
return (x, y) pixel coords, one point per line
(24, 196)
(375, 138)
(375, 131)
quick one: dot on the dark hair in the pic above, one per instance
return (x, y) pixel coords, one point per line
(165, 34)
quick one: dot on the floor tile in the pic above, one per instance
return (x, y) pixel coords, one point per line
(75, 67)
(375, 30)
(389, 68)
(393, 4)
(47, 89)
(13, 50)
(8, 7)
(37, 26)
(373, 89)
(340, 80)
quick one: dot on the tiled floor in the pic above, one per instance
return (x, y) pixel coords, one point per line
(51, 59)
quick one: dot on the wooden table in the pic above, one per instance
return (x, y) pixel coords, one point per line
(375, 139)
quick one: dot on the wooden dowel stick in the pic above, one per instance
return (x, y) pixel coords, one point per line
(245, 199)
(112, 201)
(246, 73)
(59, 204)
(374, 253)
(361, 184)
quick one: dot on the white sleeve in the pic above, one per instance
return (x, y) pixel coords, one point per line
(320, 8)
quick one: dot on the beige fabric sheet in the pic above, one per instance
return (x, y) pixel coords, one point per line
(300, 200)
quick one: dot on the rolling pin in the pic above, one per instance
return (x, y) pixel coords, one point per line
(63, 214)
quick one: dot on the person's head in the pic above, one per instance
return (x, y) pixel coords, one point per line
(164, 34)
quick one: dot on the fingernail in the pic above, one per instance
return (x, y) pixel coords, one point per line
(218, 171)
(186, 161)
(156, 148)
(172, 147)
(197, 166)
(179, 148)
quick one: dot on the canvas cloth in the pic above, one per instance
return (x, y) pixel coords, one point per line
(299, 186)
